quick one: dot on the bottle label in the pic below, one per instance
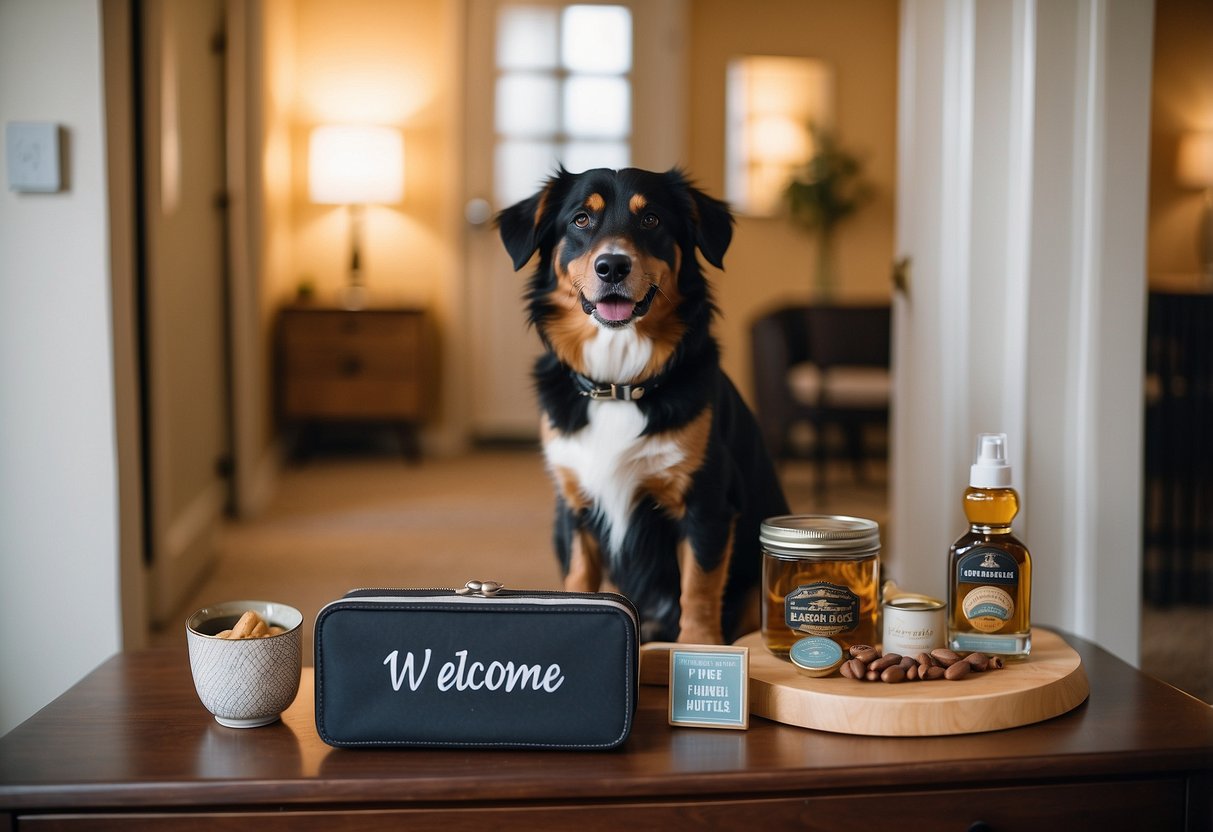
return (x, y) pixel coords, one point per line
(821, 609)
(987, 566)
(989, 606)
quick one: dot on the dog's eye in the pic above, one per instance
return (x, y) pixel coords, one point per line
(581, 219)
(649, 221)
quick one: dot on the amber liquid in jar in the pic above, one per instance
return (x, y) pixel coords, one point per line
(987, 568)
(782, 576)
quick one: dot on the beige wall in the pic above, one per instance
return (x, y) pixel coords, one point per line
(1183, 101)
(380, 62)
(275, 251)
(772, 262)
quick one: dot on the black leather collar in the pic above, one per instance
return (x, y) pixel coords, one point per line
(612, 392)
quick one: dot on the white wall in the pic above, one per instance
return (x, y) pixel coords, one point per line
(59, 595)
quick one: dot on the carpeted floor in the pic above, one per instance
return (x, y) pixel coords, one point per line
(340, 522)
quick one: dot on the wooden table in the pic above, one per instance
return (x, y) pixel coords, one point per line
(131, 748)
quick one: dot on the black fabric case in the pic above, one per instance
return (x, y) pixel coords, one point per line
(489, 680)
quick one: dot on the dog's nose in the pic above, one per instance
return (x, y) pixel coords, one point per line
(612, 268)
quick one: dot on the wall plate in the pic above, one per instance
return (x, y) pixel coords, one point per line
(31, 156)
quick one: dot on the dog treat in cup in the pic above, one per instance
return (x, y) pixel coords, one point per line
(246, 658)
(820, 577)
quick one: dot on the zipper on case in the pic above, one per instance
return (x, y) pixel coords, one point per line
(397, 592)
(438, 592)
(500, 594)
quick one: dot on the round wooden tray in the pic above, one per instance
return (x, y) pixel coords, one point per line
(1048, 683)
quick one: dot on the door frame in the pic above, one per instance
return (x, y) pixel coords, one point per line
(178, 528)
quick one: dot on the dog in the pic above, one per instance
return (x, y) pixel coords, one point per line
(661, 475)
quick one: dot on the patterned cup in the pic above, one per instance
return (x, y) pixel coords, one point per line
(245, 682)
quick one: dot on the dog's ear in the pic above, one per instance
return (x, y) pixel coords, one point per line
(713, 222)
(523, 225)
(519, 228)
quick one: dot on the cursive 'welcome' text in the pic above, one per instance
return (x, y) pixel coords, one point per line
(461, 675)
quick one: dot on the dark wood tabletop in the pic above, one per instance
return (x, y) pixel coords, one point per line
(132, 735)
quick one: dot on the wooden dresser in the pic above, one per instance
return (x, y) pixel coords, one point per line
(364, 366)
(131, 748)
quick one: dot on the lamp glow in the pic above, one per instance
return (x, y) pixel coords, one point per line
(771, 102)
(1194, 169)
(356, 166)
(1194, 166)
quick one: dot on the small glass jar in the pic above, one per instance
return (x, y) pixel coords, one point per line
(820, 577)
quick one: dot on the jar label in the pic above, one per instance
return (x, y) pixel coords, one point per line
(821, 609)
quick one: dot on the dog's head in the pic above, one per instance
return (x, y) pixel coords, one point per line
(616, 251)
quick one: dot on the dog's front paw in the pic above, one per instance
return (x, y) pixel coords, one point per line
(700, 635)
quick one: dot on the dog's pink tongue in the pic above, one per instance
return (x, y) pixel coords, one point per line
(614, 310)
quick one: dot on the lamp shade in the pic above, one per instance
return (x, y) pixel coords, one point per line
(350, 165)
(1194, 166)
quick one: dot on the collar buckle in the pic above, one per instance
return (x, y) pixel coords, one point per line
(615, 392)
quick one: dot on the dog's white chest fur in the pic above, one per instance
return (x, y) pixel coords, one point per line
(610, 458)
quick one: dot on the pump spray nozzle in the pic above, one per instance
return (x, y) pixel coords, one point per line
(991, 470)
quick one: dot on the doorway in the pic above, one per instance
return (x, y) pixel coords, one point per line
(546, 98)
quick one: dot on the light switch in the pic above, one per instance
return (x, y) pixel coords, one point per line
(31, 155)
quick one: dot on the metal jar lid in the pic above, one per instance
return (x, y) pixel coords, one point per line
(820, 536)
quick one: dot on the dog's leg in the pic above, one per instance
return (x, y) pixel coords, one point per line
(702, 594)
(585, 564)
(582, 560)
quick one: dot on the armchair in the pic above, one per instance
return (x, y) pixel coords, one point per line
(827, 366)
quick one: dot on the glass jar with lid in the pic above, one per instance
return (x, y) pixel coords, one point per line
(820, 577)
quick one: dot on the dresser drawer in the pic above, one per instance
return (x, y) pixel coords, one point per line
(352, 398)
(306, 337)
(366, 365)
(333, 324)
(346, 360)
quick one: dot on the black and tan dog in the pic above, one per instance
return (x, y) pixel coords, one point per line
(661, 475)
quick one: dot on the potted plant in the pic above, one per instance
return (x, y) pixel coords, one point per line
(828, 189)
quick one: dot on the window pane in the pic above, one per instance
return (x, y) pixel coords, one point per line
(596, 107)
(582, 156)
(519, 168)
(526, 105)
(526, 37)
(596, 39)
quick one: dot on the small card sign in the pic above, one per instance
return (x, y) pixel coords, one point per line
(710, 687)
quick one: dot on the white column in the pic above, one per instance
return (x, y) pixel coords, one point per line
(1021, 203)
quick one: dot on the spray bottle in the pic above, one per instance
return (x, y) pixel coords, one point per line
(989, 569)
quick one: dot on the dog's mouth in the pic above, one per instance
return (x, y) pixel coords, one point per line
(618, 310)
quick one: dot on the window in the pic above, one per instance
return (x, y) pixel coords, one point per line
(563, 93)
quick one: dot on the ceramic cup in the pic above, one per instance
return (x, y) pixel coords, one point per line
(245, 682)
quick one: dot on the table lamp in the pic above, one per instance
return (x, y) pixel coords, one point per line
(1194, 169)
(355, 166)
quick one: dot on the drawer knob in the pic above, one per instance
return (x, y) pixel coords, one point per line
(980, 826)
(351, 365)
